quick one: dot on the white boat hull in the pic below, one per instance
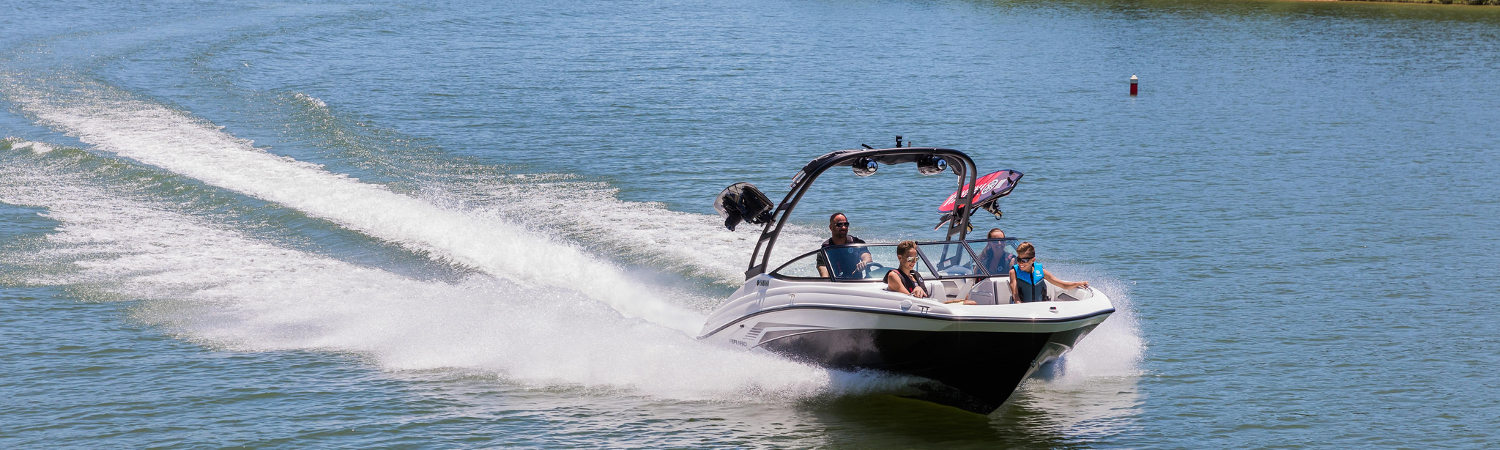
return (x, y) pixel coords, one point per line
(979, 353)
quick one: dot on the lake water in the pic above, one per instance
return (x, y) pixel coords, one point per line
(471, 224)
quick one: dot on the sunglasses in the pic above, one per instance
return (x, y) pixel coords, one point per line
(841, 224)
(1025, 260)
(911, 259)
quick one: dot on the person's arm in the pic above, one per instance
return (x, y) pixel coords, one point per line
(864, 260)
(1064, 284)
(1015, 293)
(893, 282)
(823, 271)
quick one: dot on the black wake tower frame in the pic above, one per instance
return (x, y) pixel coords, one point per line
(930, 161)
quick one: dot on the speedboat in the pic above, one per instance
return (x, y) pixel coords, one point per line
(845, 318)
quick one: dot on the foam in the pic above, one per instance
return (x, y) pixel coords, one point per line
(218, 287)
(1115, 348)
(693, 244)
(168, 139)
(315, 103)
(21, 144)
(585, 212)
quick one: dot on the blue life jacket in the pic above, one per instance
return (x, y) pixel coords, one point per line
(1031, 287)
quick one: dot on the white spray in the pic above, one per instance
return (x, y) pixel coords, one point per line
(220, 288)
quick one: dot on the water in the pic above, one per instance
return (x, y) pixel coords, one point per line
(463, 224)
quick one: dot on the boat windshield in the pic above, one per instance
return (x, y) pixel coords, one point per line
(946, 259)
(994, 256)
(951, 259)
(847, 263)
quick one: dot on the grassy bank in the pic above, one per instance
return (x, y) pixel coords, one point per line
(1445, 2)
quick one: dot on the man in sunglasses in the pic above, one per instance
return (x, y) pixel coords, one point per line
(847, 262)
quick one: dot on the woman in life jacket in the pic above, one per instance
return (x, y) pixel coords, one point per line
(1026, 277)
(905, 278)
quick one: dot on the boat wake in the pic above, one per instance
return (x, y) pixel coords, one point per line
(539, 308)
(155, 135)
(220, 288)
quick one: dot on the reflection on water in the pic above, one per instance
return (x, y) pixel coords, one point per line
(1085, 408)
(891, 421)
(1055, 412)
(1051, 410)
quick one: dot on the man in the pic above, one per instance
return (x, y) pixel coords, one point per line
(847, 263)
(994, 258)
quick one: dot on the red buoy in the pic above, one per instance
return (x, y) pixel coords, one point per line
(1133, 81)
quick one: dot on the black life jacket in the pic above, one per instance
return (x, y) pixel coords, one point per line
(911, 282)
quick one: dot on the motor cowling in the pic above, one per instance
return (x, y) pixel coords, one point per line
(743, 202)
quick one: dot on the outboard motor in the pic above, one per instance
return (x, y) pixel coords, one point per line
(742, 202)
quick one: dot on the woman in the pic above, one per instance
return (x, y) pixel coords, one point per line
(994, 259)
(1026, 277)
(905, 278)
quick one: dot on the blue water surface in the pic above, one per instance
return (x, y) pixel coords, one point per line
(1297, 217)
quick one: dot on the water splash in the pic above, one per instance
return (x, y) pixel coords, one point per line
(11, 142)
(1115, 348)
(113, 121)
(216, 286)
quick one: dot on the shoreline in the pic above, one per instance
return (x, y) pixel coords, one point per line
(1426, 2)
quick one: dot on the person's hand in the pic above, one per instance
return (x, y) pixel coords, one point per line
(1081, 284)
(919, 292)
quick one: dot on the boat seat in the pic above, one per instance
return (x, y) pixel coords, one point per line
(948, 289)
(934, 289)
(991, 291)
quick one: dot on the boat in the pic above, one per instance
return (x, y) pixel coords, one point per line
(972, 357)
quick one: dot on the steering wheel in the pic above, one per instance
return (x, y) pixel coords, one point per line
(871, 267)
